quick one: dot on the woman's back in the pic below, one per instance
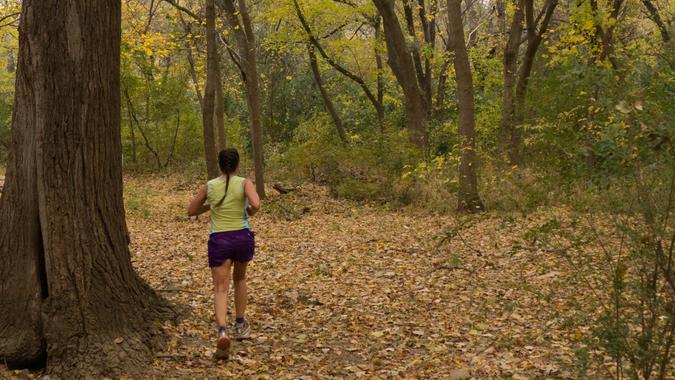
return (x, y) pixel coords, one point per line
(231, 214)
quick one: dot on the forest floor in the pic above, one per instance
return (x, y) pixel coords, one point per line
(350, 290)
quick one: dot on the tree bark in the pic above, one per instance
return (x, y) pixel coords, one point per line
(67, 287)
(243, 32)
(380, 73)
(410, 24)
(327, 101)
(401, 63)
(507, 128)
(219, 109)
(208, 109)
(468, 198)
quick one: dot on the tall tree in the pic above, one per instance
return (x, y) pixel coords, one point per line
(67, 287)
(428, 24)
(535, 29)
(403, 66)
(511, 50)
(327, 101)
(468, 198)
(210, 90)
(517, 77)
(377, 102)
(240, 23)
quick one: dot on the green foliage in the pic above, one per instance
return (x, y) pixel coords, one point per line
(366, 168)
(627, 265)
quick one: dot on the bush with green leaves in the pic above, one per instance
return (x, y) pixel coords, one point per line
(625, 261)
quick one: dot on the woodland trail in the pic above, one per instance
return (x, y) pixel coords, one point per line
(345, 290)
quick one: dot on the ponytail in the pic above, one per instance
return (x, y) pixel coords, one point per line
(228, 160)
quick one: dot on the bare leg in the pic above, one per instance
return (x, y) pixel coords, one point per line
(221, 286)
(240, 291)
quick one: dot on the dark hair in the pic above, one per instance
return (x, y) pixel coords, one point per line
(228, 160)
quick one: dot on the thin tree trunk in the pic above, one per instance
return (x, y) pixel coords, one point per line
(192, 68)
(534, 37)
(500, 6)
(380, 74)
(468, 198)
(401, 63)
(208, 109)
(133, 135)
(654, 16)
(173, 141)
(325, 96)
(516, 79)
(219, 109)
(132, 113)
(606, 35)
(379, 109)
(410, 24)
(442, 79)
(67, 287)
(243, 31)
(429, 27)
(507, 127)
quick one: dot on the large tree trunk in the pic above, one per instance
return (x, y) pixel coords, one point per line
(468, 198)
(208, 107)
(401, 63)
(67, 287)
(243, 32)
(327, 101)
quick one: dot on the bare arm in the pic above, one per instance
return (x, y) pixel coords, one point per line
(253, 198)
(198, 204)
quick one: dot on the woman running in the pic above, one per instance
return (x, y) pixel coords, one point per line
(231, 200)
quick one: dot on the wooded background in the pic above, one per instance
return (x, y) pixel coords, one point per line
(391, 100)
(558, 109)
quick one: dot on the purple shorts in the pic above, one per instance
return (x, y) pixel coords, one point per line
(234, 245)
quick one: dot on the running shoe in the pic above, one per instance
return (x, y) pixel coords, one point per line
(242, 330)
(223, 346)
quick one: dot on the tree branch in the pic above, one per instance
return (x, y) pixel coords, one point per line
(181, 8)
(328, 59)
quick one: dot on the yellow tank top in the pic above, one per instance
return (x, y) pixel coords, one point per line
(231, 214)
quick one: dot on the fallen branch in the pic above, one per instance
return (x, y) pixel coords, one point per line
(176, 290)
(283, 189)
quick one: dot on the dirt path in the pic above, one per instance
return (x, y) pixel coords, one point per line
(343, 290)
(347, 291)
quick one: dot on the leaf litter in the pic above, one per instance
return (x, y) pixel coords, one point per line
(347, 290)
